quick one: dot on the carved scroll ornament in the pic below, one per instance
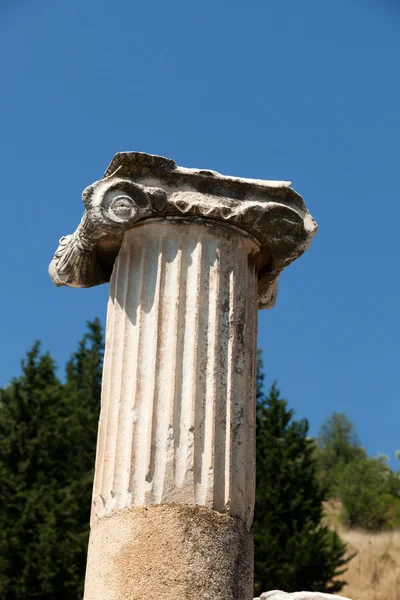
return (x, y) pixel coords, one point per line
(139, 186)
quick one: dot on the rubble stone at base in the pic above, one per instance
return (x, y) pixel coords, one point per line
(279, 595)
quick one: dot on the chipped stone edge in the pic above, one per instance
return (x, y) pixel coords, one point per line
(139, 186)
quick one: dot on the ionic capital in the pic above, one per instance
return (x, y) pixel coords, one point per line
(138, 186)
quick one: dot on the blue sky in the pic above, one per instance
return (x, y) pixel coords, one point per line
(302, 91)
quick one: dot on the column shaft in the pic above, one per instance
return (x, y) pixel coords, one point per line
(177, 423)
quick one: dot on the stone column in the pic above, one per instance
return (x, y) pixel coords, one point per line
(191, 255)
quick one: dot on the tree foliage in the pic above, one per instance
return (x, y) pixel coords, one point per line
(48, 432)
(293, 550)
(337, 446)
(369, 491)
(47, 445)
(368, 488)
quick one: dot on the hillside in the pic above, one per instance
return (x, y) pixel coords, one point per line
(374, 574)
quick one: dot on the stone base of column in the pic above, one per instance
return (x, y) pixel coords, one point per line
(171, 552)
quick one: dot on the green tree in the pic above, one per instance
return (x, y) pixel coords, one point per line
(83, 392)
(337, 446)
(33, 431)
(293, 551)
(83, 389)
(47, 446)
(368, 489)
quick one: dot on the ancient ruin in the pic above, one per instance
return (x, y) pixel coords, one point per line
(191, 255)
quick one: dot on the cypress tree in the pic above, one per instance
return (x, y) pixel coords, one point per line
(293, 550)
(83, 390)
(47, 448)
(34, 454)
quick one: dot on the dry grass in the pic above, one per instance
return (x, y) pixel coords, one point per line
(374, 574)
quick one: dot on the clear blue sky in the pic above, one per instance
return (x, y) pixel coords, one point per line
(307, 91)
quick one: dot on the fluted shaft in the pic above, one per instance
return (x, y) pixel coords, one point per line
(174, 481)
(178, 400)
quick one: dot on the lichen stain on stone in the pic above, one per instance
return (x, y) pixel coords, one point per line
(172, 552)
(152, 563)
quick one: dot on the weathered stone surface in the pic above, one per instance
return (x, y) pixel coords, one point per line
(139, 186)
(191, 255)
(177, 419)
(279, 595)
(171, 552)
(177, 422)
